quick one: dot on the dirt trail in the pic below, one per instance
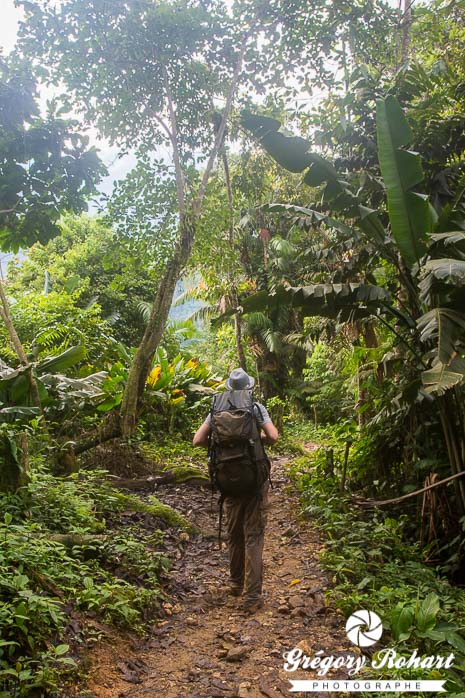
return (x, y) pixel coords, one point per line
(205, 647)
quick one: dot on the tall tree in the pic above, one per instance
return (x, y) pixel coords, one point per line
(166, 65)
(46, 168)
(152, 75)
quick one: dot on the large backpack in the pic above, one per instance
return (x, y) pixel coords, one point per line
(239, 466)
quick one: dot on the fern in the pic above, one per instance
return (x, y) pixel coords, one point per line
(144, 308)
(51, 338)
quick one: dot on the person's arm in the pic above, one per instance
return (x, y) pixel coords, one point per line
(269, 433)
(201, 435)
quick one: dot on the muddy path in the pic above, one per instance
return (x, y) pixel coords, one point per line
(204, 646)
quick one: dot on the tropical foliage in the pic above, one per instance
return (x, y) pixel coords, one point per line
(300, 170)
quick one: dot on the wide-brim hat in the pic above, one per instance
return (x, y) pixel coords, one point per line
(239, 380)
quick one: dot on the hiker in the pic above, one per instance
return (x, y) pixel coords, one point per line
(235, 432)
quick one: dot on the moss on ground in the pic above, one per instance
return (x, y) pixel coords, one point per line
(154, 508)
(185, 472)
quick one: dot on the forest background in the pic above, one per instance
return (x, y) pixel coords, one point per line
(329, 264)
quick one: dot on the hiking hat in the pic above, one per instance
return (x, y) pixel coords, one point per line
(239, 380)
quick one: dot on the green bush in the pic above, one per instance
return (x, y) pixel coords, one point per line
(43, 581)
(373, 564)
(328, 398)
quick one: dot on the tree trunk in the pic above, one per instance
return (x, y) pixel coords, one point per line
(18, 347)
(367, 330)
(237, 319)
(273, 373)
(447, 411)
(14, 459)
(141, 364)
(406, 30)
(239, 346)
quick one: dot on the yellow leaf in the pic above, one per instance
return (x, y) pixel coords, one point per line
(153, 376)
(177, 400)
(295, 581)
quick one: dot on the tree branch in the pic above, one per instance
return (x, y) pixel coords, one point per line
(15, 340)
(222, 127)
(180, 184)
(11, 210)
(396, 500)
(162, 123)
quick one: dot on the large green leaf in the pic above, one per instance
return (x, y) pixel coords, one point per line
(68, 358)
(453, 237)
(427, 613)
(291, 152)
(447, 328)
(442, 377)
(371, 225)
(343, 301)
(89, 387)
(402, 623)
(8, 375)
(456, 640)
(401, 169)
(449, 271)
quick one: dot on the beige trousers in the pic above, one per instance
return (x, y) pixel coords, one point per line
(246, 521)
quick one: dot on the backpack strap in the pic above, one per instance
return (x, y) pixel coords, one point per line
(210, 449)
(265, 455)
(220, 522)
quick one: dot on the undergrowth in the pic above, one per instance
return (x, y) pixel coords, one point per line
(374, 565)
(59, 570)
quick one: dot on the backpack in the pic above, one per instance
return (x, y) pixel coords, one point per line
(238, 464)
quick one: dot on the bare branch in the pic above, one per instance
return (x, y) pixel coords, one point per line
(383, 502)
(10, 210)
(222, 127)
(180, 184)
(15, 340)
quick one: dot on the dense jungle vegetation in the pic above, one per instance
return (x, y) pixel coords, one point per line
(297, 208)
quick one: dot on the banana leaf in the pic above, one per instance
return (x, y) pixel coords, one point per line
(409, 211)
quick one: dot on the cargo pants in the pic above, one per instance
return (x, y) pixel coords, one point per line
(246, 521)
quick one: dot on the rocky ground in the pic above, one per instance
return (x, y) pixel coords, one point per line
(204, 645)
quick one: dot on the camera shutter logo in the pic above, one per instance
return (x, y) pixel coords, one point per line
(364, 628)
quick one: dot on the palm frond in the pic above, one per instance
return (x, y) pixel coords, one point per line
(272, 340)
(255, 322)
(204, 314)
(144, 308)
(51, 337)
(189, 294)
(113, 317)
(299, 339)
